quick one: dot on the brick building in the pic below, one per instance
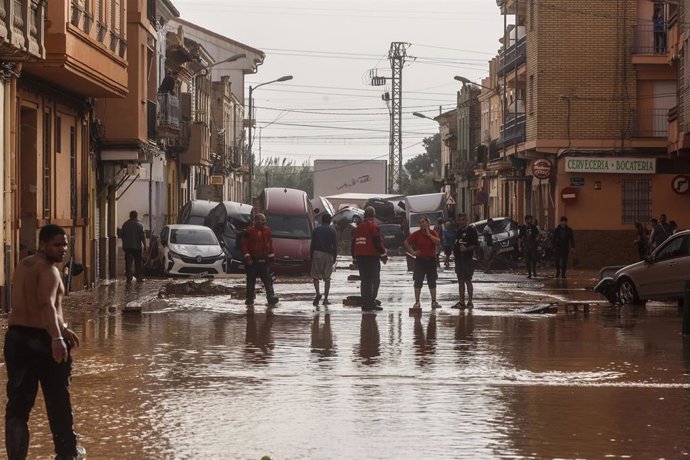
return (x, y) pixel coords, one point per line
(579, 82)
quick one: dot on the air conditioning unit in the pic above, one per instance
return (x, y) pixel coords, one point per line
(217, 180)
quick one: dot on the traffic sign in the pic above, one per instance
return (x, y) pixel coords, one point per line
(569, 195)
(681, 184)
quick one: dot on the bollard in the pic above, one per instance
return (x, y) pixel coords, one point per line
(686, 309)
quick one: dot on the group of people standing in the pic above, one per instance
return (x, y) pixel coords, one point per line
(647, 241)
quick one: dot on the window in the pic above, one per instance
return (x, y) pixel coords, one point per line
(673, 248)
(73, 171)
(637, 201)
(47, 163)
(531, 94)
(58, 134)
(531, 14)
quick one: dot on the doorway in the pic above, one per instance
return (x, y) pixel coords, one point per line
(28, 177)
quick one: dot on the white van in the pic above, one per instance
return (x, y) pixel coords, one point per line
(431, 205)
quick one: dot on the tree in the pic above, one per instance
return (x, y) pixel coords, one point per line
(423, 168)
(281, 172)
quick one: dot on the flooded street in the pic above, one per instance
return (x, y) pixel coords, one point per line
(199, 378)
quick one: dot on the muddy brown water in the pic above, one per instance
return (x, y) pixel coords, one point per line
(199, 378)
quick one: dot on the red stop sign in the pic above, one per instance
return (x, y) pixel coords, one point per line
(569, 195)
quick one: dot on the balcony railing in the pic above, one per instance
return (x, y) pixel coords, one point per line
(21, 37)
(512, 57)
(151, 120)
(648, 40)
(168, 114)
(650, 123)
(513, 131)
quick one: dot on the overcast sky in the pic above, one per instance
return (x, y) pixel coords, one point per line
(329, 46)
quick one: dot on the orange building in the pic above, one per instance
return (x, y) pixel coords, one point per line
(55, 171)
(588, 87)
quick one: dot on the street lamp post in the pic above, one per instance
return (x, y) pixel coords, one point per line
(249, 128)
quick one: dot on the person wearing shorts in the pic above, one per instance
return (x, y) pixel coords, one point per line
(466, 241)
(422, 244)
(324, 251)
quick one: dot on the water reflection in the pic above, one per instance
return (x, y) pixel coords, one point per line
(369, 339)
(322, 336)
(425, 344)
(258, 339)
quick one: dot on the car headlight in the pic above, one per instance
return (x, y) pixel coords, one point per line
(173, 255)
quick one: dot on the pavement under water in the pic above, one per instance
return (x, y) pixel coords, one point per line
(197, 377)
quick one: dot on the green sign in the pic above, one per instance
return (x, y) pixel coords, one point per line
(610, 165)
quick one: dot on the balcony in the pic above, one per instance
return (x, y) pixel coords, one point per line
(513, 131)
(494, 151)
(198, 151)
(512, 58)
(650, 123)
(21, 29)
(648, 42)
(168, 119)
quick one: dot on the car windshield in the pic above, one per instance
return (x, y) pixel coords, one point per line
(193, 236)
(500, 226)
(233, 225)
(293, 227)
(433, 218)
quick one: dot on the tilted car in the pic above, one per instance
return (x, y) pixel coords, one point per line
(192, 250)
(661, 276)
(505, 236)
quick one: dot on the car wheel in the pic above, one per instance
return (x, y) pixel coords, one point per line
(627, 293)
(357, 220)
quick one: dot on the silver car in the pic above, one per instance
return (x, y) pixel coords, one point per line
(661, 276)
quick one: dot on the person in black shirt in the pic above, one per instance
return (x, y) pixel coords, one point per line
(563, 241)
(466, 241)
(528, 240)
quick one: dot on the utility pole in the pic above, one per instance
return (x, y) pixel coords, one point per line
(397, 55)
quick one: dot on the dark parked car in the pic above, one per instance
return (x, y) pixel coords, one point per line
(195, 212)
(393, 237)
(386, 211)
(505, 236)
(228, 220)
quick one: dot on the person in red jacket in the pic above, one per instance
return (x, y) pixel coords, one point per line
(423, 244)
(368, 251)
(257, 247)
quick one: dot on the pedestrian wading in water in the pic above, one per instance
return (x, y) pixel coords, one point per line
(422, 244)
(38, 349)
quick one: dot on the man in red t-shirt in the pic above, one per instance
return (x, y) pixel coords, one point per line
(257, 247)
(422, 244)
(368, 251)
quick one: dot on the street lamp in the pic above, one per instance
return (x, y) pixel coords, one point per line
(467, 81)
(213, 64)
(421, 115)
(251, 121)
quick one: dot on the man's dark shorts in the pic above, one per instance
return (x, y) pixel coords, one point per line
(465, 271)
(425, 268)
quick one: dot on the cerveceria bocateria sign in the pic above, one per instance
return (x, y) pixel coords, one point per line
(610, 165)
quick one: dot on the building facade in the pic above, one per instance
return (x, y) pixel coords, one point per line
(587, 87)
(53, 138)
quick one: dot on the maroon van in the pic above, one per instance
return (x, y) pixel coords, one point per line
(290, 216)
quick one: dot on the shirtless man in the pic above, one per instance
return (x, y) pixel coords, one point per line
(37, 349)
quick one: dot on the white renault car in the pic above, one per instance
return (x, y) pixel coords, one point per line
(192, 250)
